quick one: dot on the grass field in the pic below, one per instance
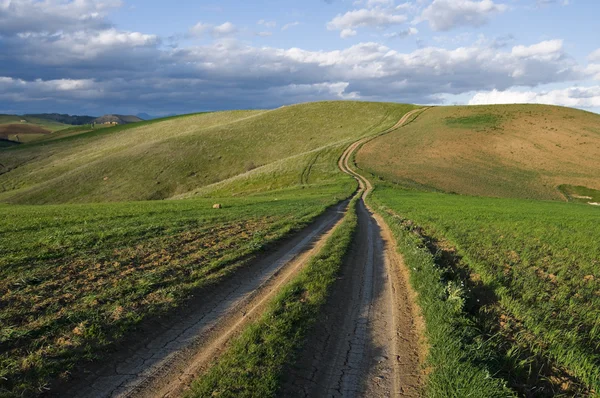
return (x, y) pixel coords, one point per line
(519, 151)
(523, 278)
(77, 278)
(167, 158)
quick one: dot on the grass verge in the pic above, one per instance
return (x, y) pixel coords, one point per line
(253, 365)
(519, 297)
(451, 337)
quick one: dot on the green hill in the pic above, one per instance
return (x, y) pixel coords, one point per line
(164, 158)
(519, 151)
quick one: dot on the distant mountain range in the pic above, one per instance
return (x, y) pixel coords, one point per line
(64, 118)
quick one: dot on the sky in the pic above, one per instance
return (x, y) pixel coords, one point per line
(181, 56)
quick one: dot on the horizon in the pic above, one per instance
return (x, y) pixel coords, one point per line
(97, 57)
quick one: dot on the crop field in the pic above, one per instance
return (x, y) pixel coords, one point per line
(77, 278)
(171, 157)
(518, 151)
(526, 276)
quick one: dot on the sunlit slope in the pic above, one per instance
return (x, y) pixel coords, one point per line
(172, 157)
(520, 151)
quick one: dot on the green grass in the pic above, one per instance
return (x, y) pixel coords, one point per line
(580, 194)
(253, 365)
(534, 267)
(74, 279)
(163, 159)
(481, 121)
(516, 151)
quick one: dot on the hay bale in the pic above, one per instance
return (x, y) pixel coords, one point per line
(217, 206)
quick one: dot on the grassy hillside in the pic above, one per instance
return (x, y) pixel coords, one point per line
(525, 275)
(520, 151)
(172, 157)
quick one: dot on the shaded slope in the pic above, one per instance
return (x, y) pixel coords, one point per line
(521, 151)
(171, 157)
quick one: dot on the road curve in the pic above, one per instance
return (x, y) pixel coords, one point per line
(366, 343)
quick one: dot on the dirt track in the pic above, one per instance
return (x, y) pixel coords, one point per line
(165, 364)
(366, 343)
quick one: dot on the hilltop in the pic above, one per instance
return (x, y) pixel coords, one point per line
(518, 151)
(117, 119)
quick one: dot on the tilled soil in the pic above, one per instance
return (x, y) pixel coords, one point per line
(169, 359)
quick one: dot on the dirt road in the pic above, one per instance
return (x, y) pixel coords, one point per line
(365, 346)
(166, 363)
(366, 343)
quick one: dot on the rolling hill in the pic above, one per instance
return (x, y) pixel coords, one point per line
(117, 119)
(518, 151)
(161, 159)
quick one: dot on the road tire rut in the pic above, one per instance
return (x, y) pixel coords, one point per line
(167, 361)
(366, 342)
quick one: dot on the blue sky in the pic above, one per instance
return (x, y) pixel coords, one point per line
(179, 56)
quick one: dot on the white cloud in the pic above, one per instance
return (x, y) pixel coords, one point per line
(595, 56)
(264, 34)
(267, 24)
(20, 90)
(593, 70)
(549, 49)
(375, 3)
(225, 29)
(218, 31)
(290, 25)
(579, 97)
(444, 15)
(403, 33)
(373, 18)
(20, 16)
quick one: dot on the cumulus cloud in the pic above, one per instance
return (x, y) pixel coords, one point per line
(595, 56)
(549, 49)
(579, 97)
(217, 31)
(49, 16)
(44, 69)
(444, 15)
(403, 33)
(374, 18)
(227, 74)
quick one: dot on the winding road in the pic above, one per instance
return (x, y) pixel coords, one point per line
(366, 343)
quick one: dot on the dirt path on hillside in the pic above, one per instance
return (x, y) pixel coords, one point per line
(367, 340)
(166, 363)
(367, 345)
